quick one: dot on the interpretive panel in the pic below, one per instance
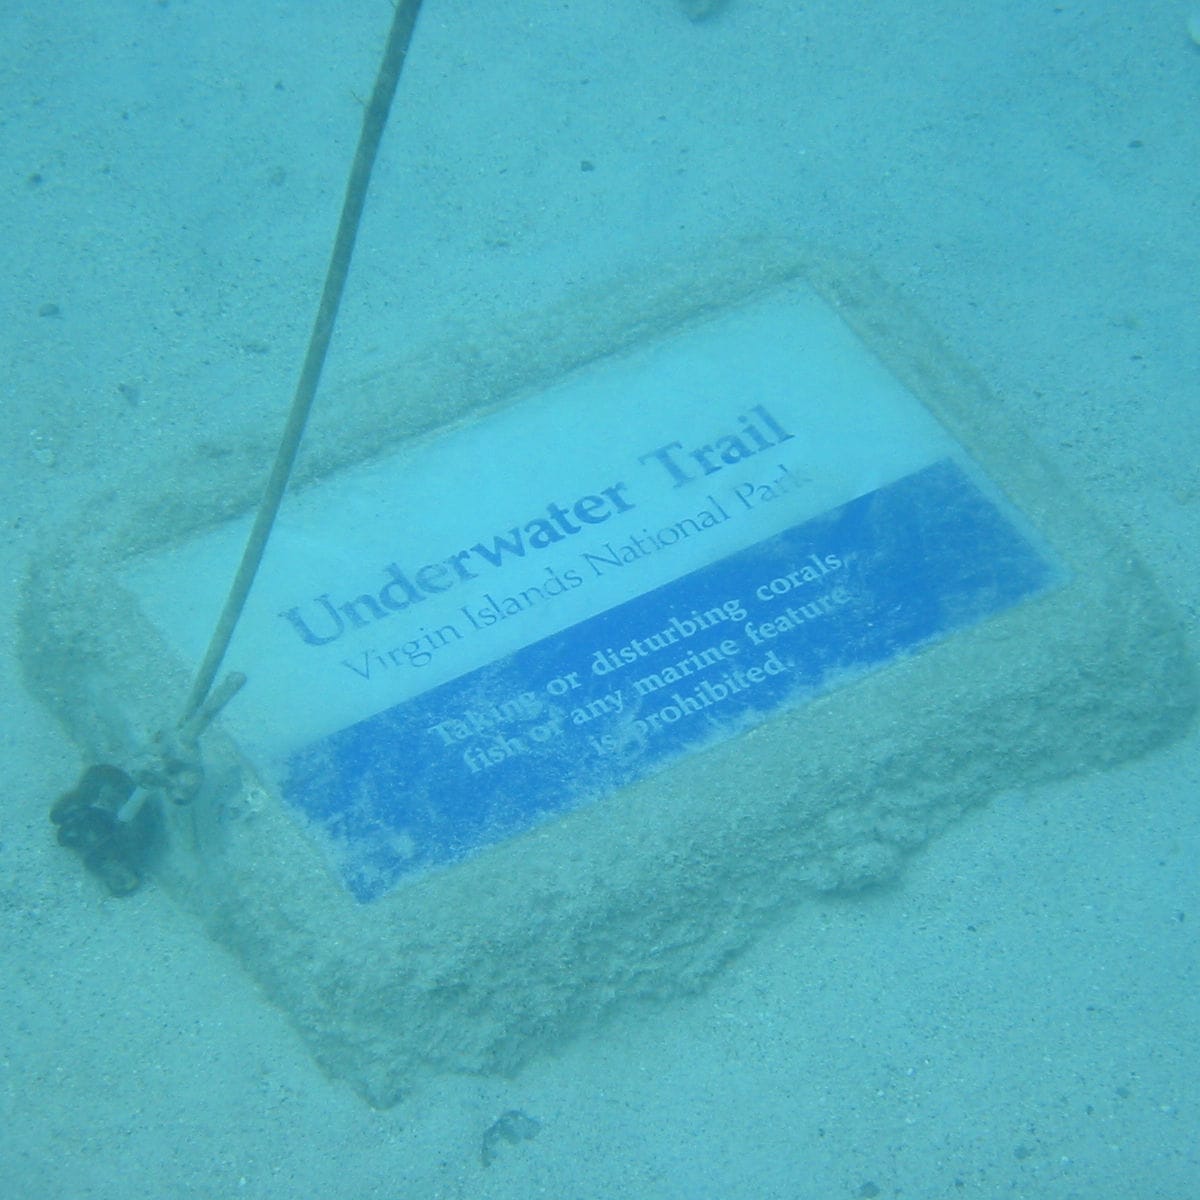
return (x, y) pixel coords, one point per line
(529, 611)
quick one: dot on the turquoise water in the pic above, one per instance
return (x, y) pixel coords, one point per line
(1017, 1014)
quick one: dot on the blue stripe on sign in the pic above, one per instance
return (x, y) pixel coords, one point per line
(599, 705)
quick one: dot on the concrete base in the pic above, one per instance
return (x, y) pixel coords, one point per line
(479, 966)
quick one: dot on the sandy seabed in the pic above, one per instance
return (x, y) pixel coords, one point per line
(1018, 1015)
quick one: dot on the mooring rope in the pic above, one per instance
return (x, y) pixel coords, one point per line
(374, 122)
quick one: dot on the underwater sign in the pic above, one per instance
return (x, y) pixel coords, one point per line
(526, 612)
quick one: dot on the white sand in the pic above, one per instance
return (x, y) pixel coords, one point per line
(1011, 1019)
